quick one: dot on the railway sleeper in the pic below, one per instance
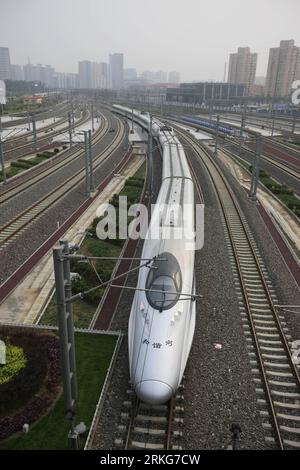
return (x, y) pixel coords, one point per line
(156, 432)
(150, 431)
(146, 445)
(283, 384)
(144, 406)
(290, 443)
(289, 429)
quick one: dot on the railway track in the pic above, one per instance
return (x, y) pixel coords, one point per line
(12, 141)
(277, 144)
(14, 152)
(20, 120)
(40, 172)
(291, 167)
(18, 224)
(153, 427)
(276, 377)
(290, 170)
(258, 122)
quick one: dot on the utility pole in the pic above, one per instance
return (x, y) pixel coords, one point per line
(210, 112)
(2, 161)
(66, 334)
(86, 156)
(241, 134)
(126, 139)
(91, 161)
(273, 120)
(28, 118)
(92, 112)
(34, 131)
(217, 137)
(150, 156)
(70, 129)
(73, 115)
(132, 131)
(255, 169)
(294, 122)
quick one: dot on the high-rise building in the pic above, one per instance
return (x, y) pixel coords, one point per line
(85, 74)
(31, 73)
(283, 68)
(242, 68)
(65, 80)
(40, 73)
(104, 76)
(4, 63)
(16, 72)
(130, 74)
(149, 76)
(161, 76)
(174, 77)
(49, 73)
(116, 71)
(93, 75)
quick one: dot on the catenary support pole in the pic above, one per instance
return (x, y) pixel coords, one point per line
(255, 169)
(150, 156)
(91, 161)
(217, 136)
(86, 157)
(241, 134)
(34, 131)
(69, 319)
(70, 129)
(294, 122)
(66, 334)
(92, 112)
(2, 161)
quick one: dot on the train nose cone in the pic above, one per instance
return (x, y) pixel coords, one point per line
(154, 392)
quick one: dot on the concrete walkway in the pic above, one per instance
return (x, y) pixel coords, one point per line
(28, 300)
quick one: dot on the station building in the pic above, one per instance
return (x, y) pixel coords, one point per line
(202, 92)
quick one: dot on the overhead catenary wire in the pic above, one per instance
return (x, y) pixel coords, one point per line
(188, 296)
(81, 295)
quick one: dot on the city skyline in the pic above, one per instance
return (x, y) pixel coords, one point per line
(188, 44)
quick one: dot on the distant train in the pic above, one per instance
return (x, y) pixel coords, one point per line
(204, 123)
(162, 318)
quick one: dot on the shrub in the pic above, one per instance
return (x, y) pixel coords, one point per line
(18, 164)
(134, 182)
(29, 394)
(15, 361)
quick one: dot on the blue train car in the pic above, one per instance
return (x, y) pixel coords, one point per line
(205, 123)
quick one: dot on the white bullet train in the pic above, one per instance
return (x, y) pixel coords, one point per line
(162, 318)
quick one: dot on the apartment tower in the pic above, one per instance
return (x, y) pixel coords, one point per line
(242, 68)
(4, 63)
(283, 69)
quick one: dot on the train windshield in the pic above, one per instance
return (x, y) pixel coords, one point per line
(164, 282)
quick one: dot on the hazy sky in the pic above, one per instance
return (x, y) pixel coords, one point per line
(193, 37)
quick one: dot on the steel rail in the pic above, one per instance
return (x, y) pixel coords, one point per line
(46, 168)
(243, 248)
(22, 220)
